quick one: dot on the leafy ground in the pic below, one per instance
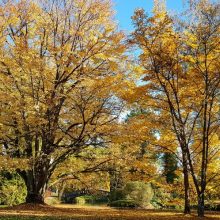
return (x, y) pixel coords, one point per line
(64, 212)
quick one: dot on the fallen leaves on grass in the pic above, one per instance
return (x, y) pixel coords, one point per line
(45, 212)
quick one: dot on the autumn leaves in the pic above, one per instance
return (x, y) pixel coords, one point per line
(66, 77)
(182, 82)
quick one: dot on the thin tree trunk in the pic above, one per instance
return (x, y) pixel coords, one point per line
(201, 205)
(186, 186)
(61, 190)
(200, 188)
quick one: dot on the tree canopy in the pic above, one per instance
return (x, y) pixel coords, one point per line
(77, 108)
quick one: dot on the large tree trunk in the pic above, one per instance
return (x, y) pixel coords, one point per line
(36, 187)
(36, 181)
(34, 197)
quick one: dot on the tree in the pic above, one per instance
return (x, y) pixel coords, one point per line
(165, 81)
(170, 167)
(202, 56)
(59, 75)
(110, 168)
(181, 78)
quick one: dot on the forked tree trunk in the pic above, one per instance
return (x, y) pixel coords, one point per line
(36, 188)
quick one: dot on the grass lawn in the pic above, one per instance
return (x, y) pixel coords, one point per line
(3, 206)
(65, 212)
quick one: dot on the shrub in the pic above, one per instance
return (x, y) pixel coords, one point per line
(212, 207)
(139, 192)
(101, 199)
(81, 200)
(161, 197)
(116, 194)
(12, 189)
(52, 200)
(91, 199)
(124, 204)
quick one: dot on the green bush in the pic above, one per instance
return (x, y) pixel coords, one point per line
(124, 204)
(212, 207)
(101, 199)
(52, 200)
(81, 200)
(91, 199)
(12, 189)
(116, 194)
(156, 203)
(139, 192)
(163, 199)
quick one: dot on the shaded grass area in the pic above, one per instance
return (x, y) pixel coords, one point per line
(27, 218)
(105, 218)
(39, 212)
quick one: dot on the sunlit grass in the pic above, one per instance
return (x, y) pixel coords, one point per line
(94, 213)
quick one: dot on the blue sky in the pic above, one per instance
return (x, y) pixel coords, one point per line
(125, 8)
